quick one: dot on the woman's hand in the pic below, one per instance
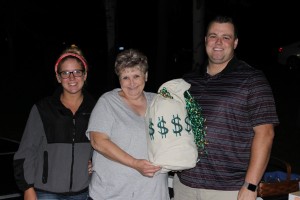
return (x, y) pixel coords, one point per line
(145, 167)
(90, 167)
(30, 194)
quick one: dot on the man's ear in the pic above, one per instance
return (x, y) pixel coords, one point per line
(236, 41)
(146, 77)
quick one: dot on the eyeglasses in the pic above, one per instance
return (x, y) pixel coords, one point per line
(66, 74)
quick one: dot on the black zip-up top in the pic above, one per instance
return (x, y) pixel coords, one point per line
(54, 151)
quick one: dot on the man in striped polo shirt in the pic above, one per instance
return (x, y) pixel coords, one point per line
(239, 108)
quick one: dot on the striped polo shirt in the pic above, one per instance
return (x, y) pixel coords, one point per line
(233, 102)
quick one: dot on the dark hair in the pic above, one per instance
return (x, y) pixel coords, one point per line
(223, 19)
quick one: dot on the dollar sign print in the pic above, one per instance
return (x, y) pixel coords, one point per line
(188, 124)
(151, 129)
(163, 130)
(177, 125)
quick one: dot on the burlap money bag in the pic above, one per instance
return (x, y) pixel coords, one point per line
(170, 138)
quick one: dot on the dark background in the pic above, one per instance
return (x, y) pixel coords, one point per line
(34, 33)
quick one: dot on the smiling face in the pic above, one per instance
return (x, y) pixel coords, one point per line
(72, 84)
(132, 81)
(220, 42)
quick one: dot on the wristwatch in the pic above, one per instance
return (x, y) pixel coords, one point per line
(250, 186)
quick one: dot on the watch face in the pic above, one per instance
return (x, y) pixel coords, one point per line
(252, 187)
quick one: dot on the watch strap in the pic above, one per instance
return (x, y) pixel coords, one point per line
(250, 186)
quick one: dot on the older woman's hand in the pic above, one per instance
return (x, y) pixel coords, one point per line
(146, 168)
